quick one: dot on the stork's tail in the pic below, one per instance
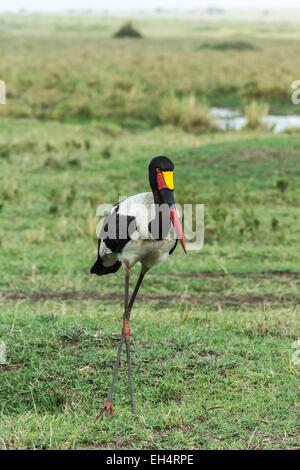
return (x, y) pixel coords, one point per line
(100, 269)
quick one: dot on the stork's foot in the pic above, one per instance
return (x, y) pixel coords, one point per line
(107, 409)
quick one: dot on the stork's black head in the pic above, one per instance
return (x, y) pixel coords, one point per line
(161, 179)
(161, 176)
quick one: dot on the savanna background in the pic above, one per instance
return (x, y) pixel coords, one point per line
(214, 330)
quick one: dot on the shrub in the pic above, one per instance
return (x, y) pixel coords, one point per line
(230, 45)
(255, 112)
(293, 130)
(128, 31)
(282, 186)
(187, 113)
(4, 151)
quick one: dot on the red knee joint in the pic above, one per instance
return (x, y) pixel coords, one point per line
(126, 330)
(108, 407)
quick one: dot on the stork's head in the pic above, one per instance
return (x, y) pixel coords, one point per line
(161, 178)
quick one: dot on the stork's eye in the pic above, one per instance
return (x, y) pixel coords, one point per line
(158, 170)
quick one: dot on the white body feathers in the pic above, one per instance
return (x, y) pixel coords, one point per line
(140, 247)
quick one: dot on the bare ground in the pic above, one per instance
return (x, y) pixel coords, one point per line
(202, 299)
(248, 299)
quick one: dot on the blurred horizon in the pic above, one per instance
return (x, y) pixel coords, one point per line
(148, 6)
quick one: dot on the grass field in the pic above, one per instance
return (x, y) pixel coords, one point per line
(212, 330)
(70, 68)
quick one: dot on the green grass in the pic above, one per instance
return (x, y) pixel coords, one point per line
(213, 330)
(205, 379)
(78, 70)
(212, 350)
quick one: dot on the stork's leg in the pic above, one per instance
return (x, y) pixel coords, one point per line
(130, 380)
(125, 336)
(137, 286)
(108, 405)
(126, 330)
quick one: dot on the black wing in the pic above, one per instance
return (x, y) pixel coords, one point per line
(116, 232)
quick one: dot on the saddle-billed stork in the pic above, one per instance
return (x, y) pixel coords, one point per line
(142, 228)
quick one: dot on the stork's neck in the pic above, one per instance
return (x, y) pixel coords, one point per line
(159, 226)
(158, 200)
